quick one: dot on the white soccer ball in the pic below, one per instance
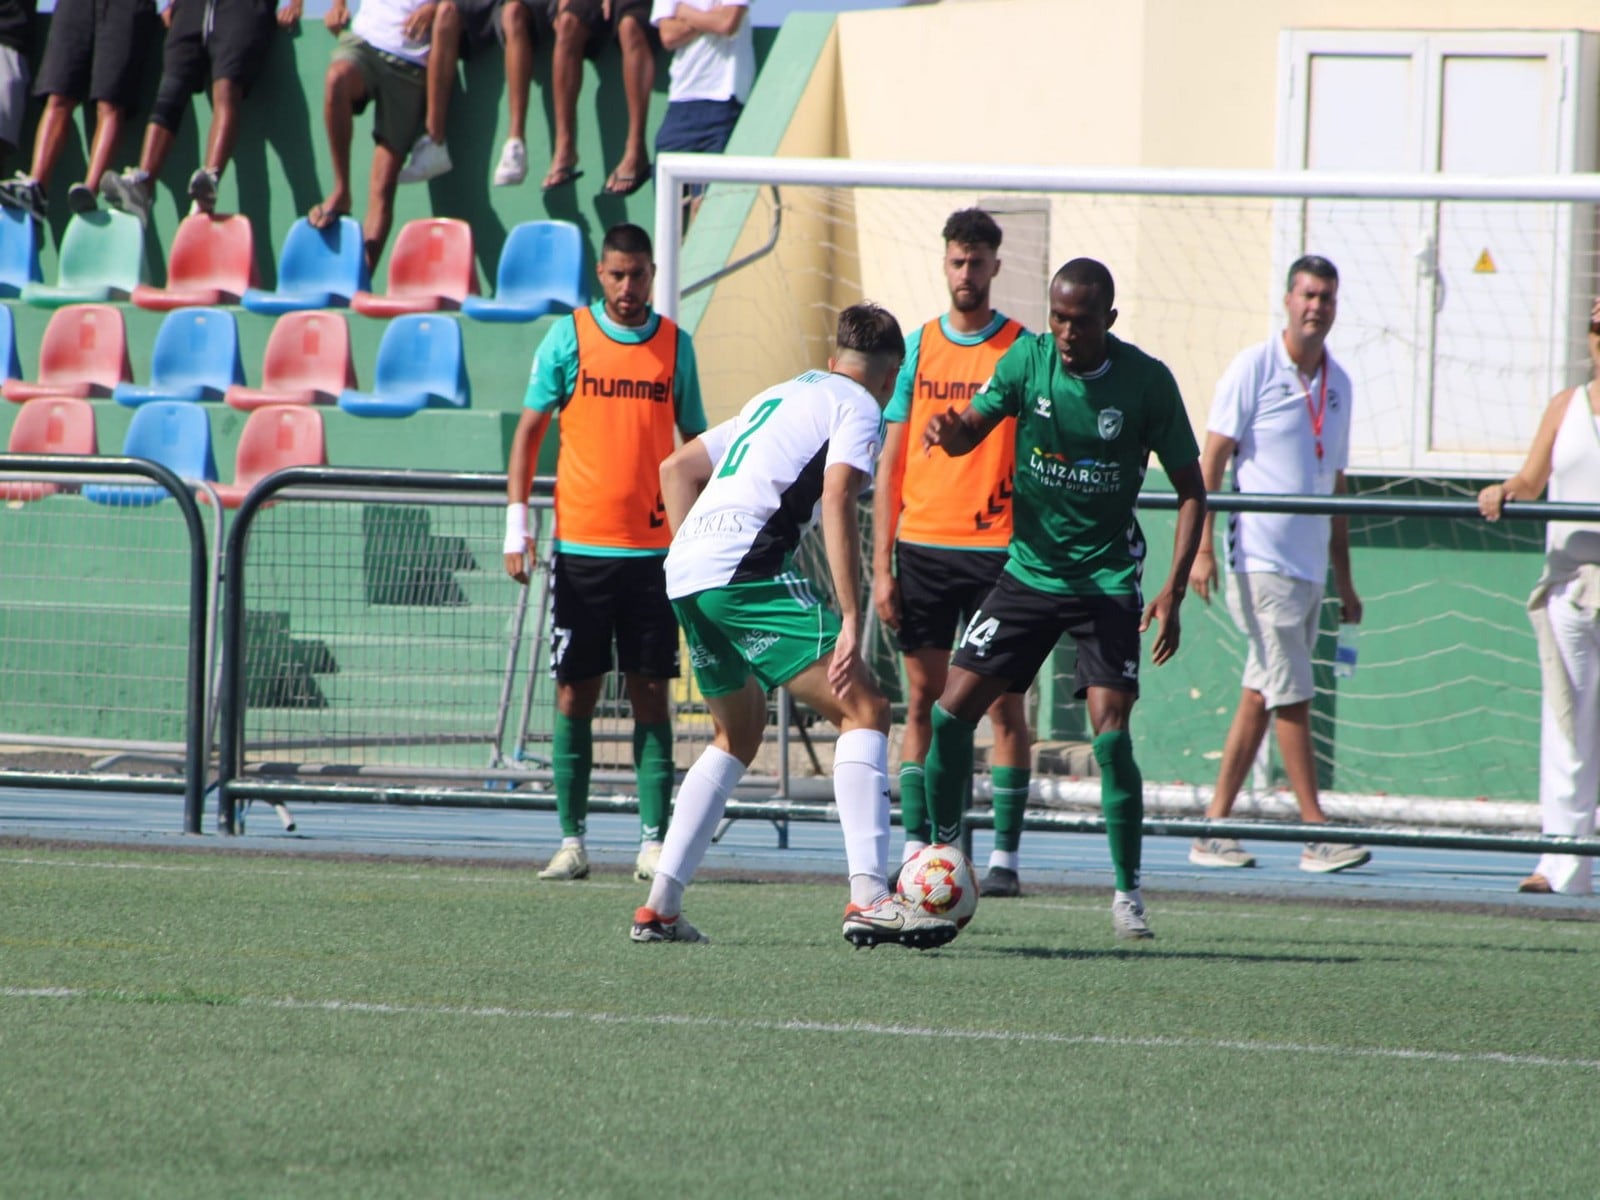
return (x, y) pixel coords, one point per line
(939, 880)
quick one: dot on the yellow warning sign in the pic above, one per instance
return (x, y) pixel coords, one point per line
(1485, 264)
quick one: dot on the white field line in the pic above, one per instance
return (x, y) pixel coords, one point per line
(850, 1028)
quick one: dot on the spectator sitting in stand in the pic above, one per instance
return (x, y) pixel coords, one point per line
(225, 41)
(16, 69)
(585, 27)
(94, 51)
(376, 60)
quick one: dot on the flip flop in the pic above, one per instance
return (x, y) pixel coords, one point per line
(627, 185)
(325, 218)
(562, 177)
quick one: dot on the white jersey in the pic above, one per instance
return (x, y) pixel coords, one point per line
(766, 479)
(1265, 405)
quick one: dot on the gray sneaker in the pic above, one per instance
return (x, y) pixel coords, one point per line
(203, 189)
(81, 198)
(131, 192)
(1219, 852)
(24, 195)
(1127, 919)
(1326, 857)
(1000, 881)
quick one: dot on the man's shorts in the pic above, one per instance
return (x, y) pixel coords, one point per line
(13, 94)
(217, 39)
(1279, 617)
(481, 22)
(1016, 627)
(698, 126)
(96, 51)
(940, 589)
(598, 601)
(591, 15)
(399, 88)
(772, 629)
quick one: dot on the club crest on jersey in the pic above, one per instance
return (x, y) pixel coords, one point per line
(1109, 423)
(1042, 406)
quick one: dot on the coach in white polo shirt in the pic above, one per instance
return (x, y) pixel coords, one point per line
(1281, 415)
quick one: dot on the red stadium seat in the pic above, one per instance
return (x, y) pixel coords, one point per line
(84, 353)
(213, 262)
(430, 269)
(276, 436)
(49, 425)
(307, 361)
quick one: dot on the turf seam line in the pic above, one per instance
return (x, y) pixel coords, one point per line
(672, 1020)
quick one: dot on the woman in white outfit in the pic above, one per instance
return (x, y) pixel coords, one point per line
(1565, 611)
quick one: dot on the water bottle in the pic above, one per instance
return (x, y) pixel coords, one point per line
(1344, 654)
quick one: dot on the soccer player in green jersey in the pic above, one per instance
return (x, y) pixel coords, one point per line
(1089, 409)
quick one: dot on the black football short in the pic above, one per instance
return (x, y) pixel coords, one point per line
(96, 50)
(211, 40)
(940, 589)
(598, 602)
(1016, 627)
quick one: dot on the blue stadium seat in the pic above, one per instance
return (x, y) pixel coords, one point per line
(318, 268)
(19, 251)
(102, 258)
(196, 357)
(171, 432)
(8, 343)
(420, 365)
(541, 272)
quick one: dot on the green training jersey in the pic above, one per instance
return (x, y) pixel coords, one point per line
(1082, 445)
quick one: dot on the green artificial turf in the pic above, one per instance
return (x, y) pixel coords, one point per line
(226, 1025)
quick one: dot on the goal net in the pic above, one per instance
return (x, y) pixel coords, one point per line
(1463, 308)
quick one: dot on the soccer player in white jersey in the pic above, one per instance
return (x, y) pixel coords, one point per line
(738, 498)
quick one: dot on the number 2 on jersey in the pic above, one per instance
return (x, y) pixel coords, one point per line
(736, 452)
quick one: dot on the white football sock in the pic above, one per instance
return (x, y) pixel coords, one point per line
(861, 794)
(911, 850)
(1004, 858)
(701, 798)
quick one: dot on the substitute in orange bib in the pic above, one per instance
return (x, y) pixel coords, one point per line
(941, 526)
(623, 380)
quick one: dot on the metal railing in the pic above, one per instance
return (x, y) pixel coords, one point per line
(72, 470)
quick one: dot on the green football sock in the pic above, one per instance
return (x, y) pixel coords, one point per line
(1010, 785)
(652, 761)
(948, 773)
(1122, 802)
(914, 803)
(571, 758)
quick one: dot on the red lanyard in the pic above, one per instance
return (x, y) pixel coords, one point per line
(1318, 410)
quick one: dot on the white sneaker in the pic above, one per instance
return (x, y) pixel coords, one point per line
(570, 862)
(644, 867)
(1127, 919)
(1324, 858)
(893, 920)
(513, 166)
(1219, 852)
(428, 160)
